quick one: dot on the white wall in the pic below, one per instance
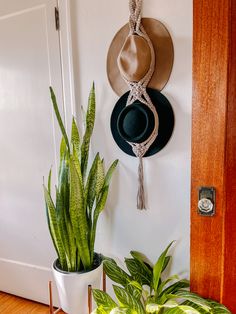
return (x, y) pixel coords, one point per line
(167, 174)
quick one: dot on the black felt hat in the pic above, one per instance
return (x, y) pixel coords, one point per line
(135, 123)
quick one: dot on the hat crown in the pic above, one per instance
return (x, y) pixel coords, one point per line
(134, 58)
(135, 123)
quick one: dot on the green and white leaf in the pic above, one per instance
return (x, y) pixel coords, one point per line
(182, 309)
(194, 298)
(127, 300)
(103, 299)
(139, 271)
(216, 308)
(115, 273)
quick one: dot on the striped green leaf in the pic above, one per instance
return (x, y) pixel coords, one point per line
(192, 297)
(139, 271)
(164, 283)
(115, 273)
(216, 308)
(134, 289)
(127, 300)
(182, 309)
(181, 284)
(103, 299)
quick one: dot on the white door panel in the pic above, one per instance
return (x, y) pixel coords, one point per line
(29, 63)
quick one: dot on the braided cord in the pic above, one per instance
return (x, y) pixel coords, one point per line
(138, 92)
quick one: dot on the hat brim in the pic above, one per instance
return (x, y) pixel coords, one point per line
(164, 56)
(166, 122)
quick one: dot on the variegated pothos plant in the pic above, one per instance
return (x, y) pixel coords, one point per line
(145, 290)
(80, 196)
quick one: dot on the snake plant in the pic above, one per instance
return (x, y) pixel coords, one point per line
(80, 195)
(146, 290)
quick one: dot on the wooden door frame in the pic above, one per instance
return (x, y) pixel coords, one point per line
(213, 239)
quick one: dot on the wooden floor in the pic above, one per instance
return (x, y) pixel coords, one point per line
(10, 304)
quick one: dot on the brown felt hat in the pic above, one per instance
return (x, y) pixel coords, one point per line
(130, 56)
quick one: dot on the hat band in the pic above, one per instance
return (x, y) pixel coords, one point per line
(138, 92)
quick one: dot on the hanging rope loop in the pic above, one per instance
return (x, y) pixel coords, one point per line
(138, 92)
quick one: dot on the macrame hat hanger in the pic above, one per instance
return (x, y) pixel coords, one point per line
(142, 120)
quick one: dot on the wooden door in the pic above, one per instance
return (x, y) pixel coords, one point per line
(213, 239)
(30, 61)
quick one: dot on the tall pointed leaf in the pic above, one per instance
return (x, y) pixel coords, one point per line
(59, 119)
(54, 229)
(90, 118)
(78, 215)
(157, 269)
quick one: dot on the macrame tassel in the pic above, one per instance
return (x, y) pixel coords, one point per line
(141, 194)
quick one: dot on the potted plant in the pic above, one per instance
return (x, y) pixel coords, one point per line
(145, 290)
(80, 197)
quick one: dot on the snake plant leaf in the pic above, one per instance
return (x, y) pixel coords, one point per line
(127, 300)
(103, 299)
(99, 207)
(110, 173)
(75, 137)
(115, 273)
(53, 228)
(90, 118)
(49, 181)
(216, 308)
(78, 214)
(63, 228)
(192, 297)
(59, 119)
(139, 271)
(182, 309)
(100, 177)
(90, 188)
(157, 269)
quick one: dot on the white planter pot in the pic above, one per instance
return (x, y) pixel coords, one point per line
(73, 288)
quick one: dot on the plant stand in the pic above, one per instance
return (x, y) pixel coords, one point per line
(51, 307)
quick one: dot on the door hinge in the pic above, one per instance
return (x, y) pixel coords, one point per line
(57, 19)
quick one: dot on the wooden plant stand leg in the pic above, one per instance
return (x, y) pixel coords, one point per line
(51, 308)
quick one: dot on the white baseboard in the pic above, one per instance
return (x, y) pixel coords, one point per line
(27, 281)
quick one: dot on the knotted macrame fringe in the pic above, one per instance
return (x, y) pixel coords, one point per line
(141, 193)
